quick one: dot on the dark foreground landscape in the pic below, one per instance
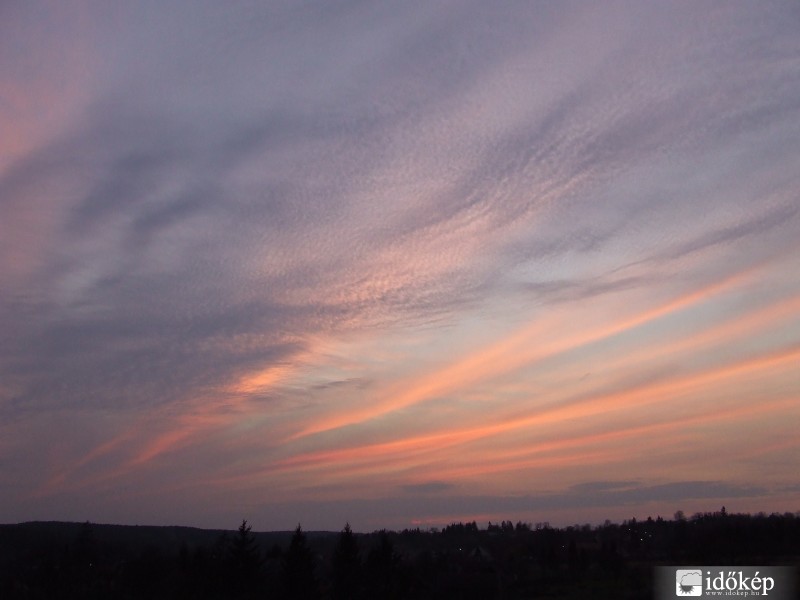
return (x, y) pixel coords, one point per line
(462, 561)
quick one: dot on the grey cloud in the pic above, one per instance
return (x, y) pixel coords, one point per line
(577, 497)
(603, 486)
(158, 170)
(571, 290)
(431, 487)
(757, 226)
(358, 383)
(682, 490)
(591, 495)
(166, 318)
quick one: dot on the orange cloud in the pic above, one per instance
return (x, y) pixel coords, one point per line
(260, 380)
(415, 451)
(523, 348)
(402, 456)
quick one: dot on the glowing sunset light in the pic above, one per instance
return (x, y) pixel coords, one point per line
(510, 354)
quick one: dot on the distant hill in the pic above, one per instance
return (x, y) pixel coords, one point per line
(30, 537)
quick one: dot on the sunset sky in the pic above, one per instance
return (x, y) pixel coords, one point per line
(398, 264)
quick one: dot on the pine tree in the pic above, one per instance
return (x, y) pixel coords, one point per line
(245, 561)
(346, 566)
(298, 569)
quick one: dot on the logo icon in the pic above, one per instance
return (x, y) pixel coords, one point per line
(688, 582)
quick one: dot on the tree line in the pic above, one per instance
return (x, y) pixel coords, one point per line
(461, 561)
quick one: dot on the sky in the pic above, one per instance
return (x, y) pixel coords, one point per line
(398, 264)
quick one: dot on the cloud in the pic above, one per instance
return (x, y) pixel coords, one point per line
(444, 508)
(571, 290)
(273, 239)
(758, 226)
(431, 487)
(603, 486)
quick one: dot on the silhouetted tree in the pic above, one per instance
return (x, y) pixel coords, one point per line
(297, 576)
(346, 566)
(245, 560)
(383, 577)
